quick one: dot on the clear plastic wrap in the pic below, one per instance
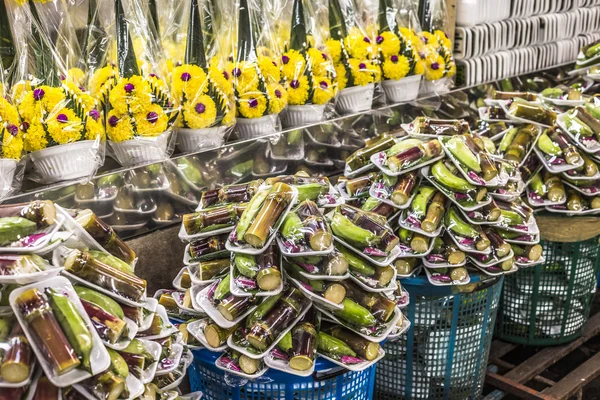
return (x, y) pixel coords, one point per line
(18, 361)
(305, 231)
(354, 54)
(407, 155)
(199, 78)
(258, 275)
(62, 123)
(255, 70)
(140, 111)
(306, 65)
(11, 133)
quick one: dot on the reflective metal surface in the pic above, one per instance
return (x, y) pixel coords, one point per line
(137, 200)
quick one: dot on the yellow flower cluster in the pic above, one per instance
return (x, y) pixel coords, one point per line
(57, 115)
(355, 60)
(308, 76)
(102, 81)
(396, 56)
(135, 108)
(256, 85)
(11, 145)
(433, 56)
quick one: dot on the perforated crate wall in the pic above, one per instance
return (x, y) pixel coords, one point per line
(444, 354)
(275, 385)
(549, 304)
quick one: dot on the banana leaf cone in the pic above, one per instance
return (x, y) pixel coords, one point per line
(127, 61)
(247, 35)
(42, 51)
(337, 24)
(194, 49)
(386, 18)
(298, 40)
(95, 40)
(7, 44)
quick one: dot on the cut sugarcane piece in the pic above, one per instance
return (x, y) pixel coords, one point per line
(365, 231)
(309, 187)
(14, 264)
(206, 247)
(359, 187)
(522, 142)
(274, 206)
(403, 188)
(232, 307)
(110, 385)
(208, 270)
(109, 327)
(456, 224)
(47, 332)
(263, 332)
(504, 95)
(217, 336)
(305, 228)
(532, 112)
(17, 360)
(167, 301)
(435, 213)
(555, 187)
(105, 236)
(380, 306)
(83, 265)
(361, 346)
(72, 325)
(405, 266)
(45, 390)
(238, 193)
(304, 338)
(530, 252)
(437, 127)
(414, 155)
(212, 219)
(361, 157)
(40, 212)
(262, 310)
(501, 248)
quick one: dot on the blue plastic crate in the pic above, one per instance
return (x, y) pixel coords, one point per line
(444, 353)
(338, 384)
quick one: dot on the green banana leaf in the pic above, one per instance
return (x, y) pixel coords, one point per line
(298, 39)
(210, 17)
(127, 60)
(246, 34)
(7, 43)
(337, 25)
(194, 48)
(94, 44)
(42, 52)
(154, 16)
(387, 17)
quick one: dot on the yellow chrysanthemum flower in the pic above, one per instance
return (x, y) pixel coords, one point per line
(35, 137)
(19, 90)
(320, 62)
(334, 48)
(340, 76)
(64, 126)
(435, 67)
(94, 128)
(8, 112)
(118, 127)
(102, 80)
(12, 142)
(220, 76)
(358, 45)
(408, 35)
(450, 68)
(245, 77)
(323, 90)
(269, 69)
(396, 67)
(131, 95)
(292, 64)
(363, 72)
(443, 39)
(297, 90)
(151, 122)
(389, 43)
(200, 113)
(429, 39)
(35, 104)
(252, 105)
(278, 98)
(76, 75)
(189, 81)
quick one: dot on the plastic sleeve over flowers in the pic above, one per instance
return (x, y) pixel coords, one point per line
(255, 52)
(55, 108)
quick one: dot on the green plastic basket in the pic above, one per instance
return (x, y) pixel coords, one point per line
(549, 304)
(444, 354)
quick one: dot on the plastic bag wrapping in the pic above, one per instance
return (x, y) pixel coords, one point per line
(140, 112)
(394, 37)
(55, 109)
(435, 49)
(305, 231)
(199, 79)
(12, 165)
(307, 67)
(353, 51)
(259, 96)
(17, 365)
